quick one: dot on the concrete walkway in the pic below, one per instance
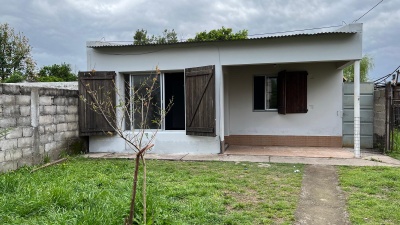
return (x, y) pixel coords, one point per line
(321, 199)
(367, 159)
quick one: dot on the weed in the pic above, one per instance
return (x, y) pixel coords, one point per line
(46, 158)
(373, 194)
(83, 191)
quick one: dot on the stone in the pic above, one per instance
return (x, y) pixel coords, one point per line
(23, 99)
(7, 100)
(9, 144)
(24, 161)
(73, 126)
(50, 129)
(27, 132)
(12, 155)
(11, 111)
(24, 121)
(46, 138)
(27, 152)
(60, 101)
(50, 146)
(25, 110)
(62, 109)
(49, 110)
(8, 122)
(72, 109)
(2, 153)
(71, 118)
(62, 127)
(8, 166)
(60, 136)
(14, 133)
(59, 119)
(45, 100)
(73, 101)
(25, 142)
(47, 119)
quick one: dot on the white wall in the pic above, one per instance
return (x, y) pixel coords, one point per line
(237, 117)
(324, 99)
(170, 142)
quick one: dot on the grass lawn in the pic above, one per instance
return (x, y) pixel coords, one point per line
(373, 194)
(87, 191)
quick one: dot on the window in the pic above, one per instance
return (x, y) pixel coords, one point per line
(139, 95)
(265, 93)
(286, 93)
(167, 86)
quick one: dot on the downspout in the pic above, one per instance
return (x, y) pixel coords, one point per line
(357, 129)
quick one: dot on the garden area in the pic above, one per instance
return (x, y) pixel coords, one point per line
(87, 191)
(98, 191)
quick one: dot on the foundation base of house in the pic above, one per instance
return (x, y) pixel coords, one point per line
(290, 141)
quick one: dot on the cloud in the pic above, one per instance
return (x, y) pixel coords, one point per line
(58, 30)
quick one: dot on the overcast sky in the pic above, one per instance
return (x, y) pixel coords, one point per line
(58, 29)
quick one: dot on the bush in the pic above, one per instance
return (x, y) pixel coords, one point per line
(16, 77)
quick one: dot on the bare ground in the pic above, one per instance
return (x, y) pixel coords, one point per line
(321, 200)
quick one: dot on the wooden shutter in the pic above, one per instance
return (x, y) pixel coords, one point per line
(102, 83)
(200, 101)
(292, 92)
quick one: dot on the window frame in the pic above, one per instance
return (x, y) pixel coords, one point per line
(162, 97)
(266, 76)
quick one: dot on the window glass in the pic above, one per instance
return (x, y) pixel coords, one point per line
(265, 94)
(146, 103)
(259, 93)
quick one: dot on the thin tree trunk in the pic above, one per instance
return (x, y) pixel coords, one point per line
(144, 190)
(132, 211)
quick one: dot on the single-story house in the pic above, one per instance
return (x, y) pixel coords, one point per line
(276, 91)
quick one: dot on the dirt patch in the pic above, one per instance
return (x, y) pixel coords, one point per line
(321, 200)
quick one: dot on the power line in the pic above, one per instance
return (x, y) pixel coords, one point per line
(289, 31)
(368, 11)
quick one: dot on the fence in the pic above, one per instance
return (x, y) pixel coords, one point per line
(41, 122)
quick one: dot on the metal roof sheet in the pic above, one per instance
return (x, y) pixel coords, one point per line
(111, 44)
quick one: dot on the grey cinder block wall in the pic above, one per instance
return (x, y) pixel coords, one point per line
(379, 118)
(42, 122)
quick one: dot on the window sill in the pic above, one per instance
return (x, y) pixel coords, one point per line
(266, 110)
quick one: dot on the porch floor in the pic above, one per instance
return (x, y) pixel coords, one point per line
(312, 152)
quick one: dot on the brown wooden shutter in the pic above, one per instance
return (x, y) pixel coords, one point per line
(102, 83)
(282, 92)
(292, 92)
(200, 101)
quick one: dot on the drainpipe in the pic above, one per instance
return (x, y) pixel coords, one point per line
(357, 129)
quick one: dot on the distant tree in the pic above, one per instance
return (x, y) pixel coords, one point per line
(56, 73)
(15, 54)
(16, 77)
(366, 64)
(219, 35)
(141, 37)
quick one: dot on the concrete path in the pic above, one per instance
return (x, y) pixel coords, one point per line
(321, 200)
(368, 159)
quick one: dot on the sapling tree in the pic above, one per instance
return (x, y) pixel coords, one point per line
(137, 108)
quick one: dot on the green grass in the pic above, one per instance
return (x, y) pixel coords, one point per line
(373, 194)
(83, 191)
(395, 151)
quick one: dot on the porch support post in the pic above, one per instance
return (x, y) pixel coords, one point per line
(221, 109)
(357, 129)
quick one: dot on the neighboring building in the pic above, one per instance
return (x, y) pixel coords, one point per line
(276, 91)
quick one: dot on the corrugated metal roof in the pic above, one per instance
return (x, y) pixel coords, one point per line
(100, 44)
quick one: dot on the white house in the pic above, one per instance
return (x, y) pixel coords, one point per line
(277, 91)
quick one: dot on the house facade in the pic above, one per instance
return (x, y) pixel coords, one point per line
(274, 91)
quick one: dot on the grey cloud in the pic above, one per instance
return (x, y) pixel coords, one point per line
(58, 30)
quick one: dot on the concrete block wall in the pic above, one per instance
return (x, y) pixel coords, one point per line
(42, 122)
(379, 118)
